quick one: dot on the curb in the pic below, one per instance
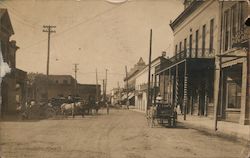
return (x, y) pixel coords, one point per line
(208, 131)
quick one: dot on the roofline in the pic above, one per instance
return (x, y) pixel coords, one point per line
(189, 10)
(11, 27)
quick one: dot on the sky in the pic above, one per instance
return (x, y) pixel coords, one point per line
(95, 34)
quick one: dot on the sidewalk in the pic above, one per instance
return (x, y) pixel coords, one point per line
(224, 129)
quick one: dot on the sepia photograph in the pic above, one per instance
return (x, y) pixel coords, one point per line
(124, 78)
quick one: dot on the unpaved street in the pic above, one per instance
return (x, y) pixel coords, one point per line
(122, 134)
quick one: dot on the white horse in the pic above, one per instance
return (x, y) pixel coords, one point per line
(73, 108)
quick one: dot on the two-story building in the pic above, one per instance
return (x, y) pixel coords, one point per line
(14, 83)
(187, 80)
(232, 63)
(39, 88)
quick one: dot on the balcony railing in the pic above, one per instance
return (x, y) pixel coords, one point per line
(193, 53)
(241, 38)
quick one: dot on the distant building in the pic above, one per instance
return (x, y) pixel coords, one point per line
(14, 84)
(116, 94)
(88, 91)
(130, 79)
(59, 86)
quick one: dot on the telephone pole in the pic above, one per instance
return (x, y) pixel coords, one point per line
(75, 70)
(126, 71)
(97, 90)
(149, 70)
(48, 29)
(106, 81)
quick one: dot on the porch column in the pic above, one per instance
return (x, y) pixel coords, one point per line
(164, 84)
(176, 86)
(185, 90)
(155, 93)
(169, 87)
(244, 114)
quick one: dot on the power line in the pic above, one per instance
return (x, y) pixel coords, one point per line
(76, 25)
(17, 16)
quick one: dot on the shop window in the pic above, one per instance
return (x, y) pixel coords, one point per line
(234, 95)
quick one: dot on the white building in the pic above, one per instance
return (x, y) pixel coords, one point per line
(141, 84)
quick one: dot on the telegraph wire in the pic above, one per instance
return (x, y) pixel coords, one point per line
(73, 26)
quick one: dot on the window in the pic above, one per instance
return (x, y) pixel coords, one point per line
(190, 45)
(233, 17)
(176, 49)
(185, 46)
(180, 47)
(234, 95)
(241, 20)
(211, 41)
(196, 42)
(226, 30)
(203, 39)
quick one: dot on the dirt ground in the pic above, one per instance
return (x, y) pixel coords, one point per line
(122, 134)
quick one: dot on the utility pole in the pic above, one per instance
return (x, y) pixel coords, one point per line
(48, 29)
(106, 81)
(75, 70)
(103, 90)
(126, 71)
(118, 100)
(149, 69)
(97, 90)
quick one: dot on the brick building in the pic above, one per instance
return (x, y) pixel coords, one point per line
(13, 84)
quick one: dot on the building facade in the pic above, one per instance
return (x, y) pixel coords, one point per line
(13, 84)
(39, 89)
(141, 84)
(232, 87)
(207, 76)
(187, 81)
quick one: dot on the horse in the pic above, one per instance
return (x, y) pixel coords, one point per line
(73, 109)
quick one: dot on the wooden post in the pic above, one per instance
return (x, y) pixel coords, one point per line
(185, 90)
(164, 85)
(155, 92)
(149, 69)
(176, 86)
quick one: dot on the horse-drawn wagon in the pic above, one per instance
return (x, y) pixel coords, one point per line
(163, 113)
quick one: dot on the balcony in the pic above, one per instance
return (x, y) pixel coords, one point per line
(193, 53)
(240, 39)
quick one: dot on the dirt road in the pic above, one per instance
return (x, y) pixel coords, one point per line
(122, 134)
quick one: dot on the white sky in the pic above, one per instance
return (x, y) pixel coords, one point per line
(92, 33)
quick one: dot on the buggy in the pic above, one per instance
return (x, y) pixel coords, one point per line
(164, 114)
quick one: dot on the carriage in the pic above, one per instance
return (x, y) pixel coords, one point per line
(163, 113)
